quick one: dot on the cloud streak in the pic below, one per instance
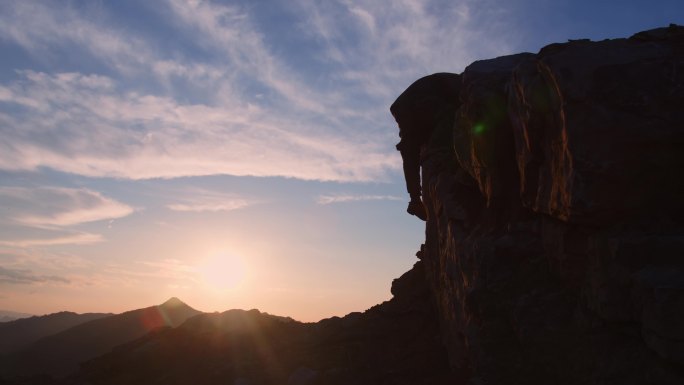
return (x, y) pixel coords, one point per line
(209, 201)
(240, 105)
(46, 216)
(90, 130)
(43, 29)
(58, 207)
(27, 277)
(331, 199)
(69, 239)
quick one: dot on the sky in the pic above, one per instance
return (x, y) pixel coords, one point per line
(233, 154)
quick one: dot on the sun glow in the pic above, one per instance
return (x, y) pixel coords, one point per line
(222, 272)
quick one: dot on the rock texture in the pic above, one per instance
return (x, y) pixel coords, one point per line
(555, 240)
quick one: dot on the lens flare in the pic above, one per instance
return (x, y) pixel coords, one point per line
(154, 317)
(479, 129)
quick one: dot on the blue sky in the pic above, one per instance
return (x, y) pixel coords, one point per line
(235, 154)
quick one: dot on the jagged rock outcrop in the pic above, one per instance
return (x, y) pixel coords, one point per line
(555, 240)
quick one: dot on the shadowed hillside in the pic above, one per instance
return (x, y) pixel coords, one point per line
(397, 342)
(19, 334)
(59, 354)
(394, 343)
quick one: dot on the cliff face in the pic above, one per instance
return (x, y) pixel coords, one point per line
(555, 246)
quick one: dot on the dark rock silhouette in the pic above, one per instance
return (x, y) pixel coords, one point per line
(555, 243)
(396, 342)
(427, 103)
(60, 354)
(19, 334)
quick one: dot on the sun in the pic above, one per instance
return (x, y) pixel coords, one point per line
(222, 272)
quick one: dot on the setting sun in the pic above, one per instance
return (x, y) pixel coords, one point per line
(223, 272)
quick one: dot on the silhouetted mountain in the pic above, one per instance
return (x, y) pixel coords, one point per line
(393, 343)
(8, 315)
(20, 333)
(60, 354)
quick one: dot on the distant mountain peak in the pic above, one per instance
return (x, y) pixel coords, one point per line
(173, 302)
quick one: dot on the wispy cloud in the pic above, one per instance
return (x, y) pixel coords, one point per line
(330, 199)
(170, 270)
(199, 207)
(383, 48)
(27, 277)
(91, 130)
(69, 239)
(229, 31)
(204, 200)
(39, 267)
(48, 31)
(54, 261)
(58, 206)
(46, 216)
(241, 106)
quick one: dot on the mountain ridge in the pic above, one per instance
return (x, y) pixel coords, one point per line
(59, 354)
(396, 341)
(20, 333)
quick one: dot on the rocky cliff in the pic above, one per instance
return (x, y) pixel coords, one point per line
(555, 241)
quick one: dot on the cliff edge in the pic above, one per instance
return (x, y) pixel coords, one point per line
(554, 245)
